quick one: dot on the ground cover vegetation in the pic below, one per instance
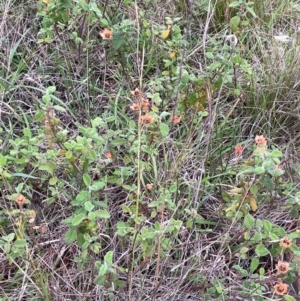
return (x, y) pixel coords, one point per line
(149, 150)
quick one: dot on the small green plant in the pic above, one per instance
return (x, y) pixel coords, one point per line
(259, 180)
(108, 276)
(55, 15)
(12, 248)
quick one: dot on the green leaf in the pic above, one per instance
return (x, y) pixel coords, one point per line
(100, 280)
(101, 276)
(71, 235)
(247, 170)
(123, 228)
(80, 240)
(219, 289)
(50, 90)
(103, 269)
(268, 183)
(27, 132)
(259, 223)
(20, 188)
(164, 129)
(164, 114)
(92, 216)
(288, 298)
(10, 237)
(244, 250)
(147, 149)
(294, 235)
(226, 196)
(68, 154)
(7, 247)
(214, 66)
(254, 189)
(209, 55)
(236, 59)
(234, 23)
(192, 98)
(279, 231)
(87, 179)
(276, 154)
(119, 141)
(132, 187)
(259, 170)
(108, 257)
(20, 243)
(261, 250)
(190, 223)
(167, 64)
(98, 264)
(185, 79)
(88, 206)
(251, 11)
(246, 68)
(267, 225)
(46, 98)
(77, 219)
(157, 99)
(234, 4)
(102, 214)
(249, 221)
(52, 181)
(245, 23)
(59, 108)
(104, 22)
(118, 40)
(81, 198)
(273, 236)
(294, 212)
(276, 172)
(227, 79)
(97, 186)
(247, 235)
(254, 264)
(98, 122)
(49, 167)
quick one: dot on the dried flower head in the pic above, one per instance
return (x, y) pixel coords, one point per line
(260, 140)
(44, 229)
(136, 93)
(106, 34)
(108, 155)
(238, 150)
(50, 113)
(283, 267)
(145, 104)
(281, 288)
(147, 119)
(20, 200)
(135, 106)
(285, 243)
(176, 119)
(149, 186)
